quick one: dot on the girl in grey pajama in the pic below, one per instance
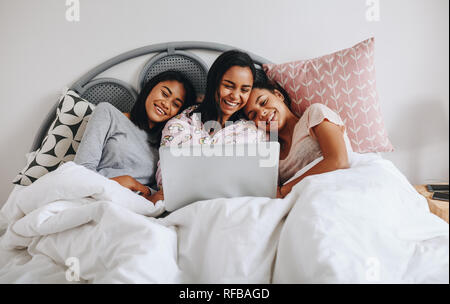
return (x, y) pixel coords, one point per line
(124, 146)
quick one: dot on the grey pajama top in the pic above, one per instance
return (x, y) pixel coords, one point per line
(113, 145)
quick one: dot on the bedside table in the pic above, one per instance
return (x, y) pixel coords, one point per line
(440, 208)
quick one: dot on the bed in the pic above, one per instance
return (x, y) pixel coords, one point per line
(365, 224)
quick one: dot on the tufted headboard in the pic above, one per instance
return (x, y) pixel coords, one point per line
(168, 56)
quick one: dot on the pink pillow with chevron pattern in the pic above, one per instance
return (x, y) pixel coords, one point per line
(345, 82)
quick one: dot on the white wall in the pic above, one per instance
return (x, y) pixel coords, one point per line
(41, 52)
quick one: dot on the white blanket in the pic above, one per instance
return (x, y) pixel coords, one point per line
(365, 224)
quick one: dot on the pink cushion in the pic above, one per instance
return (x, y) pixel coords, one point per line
(345, 82)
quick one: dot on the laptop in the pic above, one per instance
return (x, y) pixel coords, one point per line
(192, 173)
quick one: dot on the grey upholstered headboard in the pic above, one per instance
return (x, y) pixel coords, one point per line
(172, 55)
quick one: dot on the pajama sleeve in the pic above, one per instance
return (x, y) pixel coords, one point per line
(316, 114)
(176, 132)
(90, 149)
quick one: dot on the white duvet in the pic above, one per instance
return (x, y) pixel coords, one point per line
(365, 224)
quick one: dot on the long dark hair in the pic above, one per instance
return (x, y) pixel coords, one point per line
(138, 114)
(209, 108)
(271, 86)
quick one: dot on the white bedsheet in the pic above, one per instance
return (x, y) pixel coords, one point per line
(365, 224)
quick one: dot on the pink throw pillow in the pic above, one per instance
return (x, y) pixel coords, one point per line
(345, 82)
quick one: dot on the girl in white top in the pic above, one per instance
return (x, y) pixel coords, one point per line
(318, 132)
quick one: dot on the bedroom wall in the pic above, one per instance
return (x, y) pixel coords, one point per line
(41, 52)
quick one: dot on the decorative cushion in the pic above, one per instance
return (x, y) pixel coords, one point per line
(345, 82)
(62, 140)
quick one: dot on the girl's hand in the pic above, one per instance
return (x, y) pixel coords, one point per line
(279, 195)
(132, 184)
(282, 191)
(155, 197)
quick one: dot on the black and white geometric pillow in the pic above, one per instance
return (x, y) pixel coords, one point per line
(62, 140)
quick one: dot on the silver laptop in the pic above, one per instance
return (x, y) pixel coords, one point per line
(200, 172)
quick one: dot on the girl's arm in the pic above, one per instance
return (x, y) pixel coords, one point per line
(90, 149)
(331, 141)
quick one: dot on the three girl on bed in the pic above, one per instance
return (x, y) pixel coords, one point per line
(125, 147)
